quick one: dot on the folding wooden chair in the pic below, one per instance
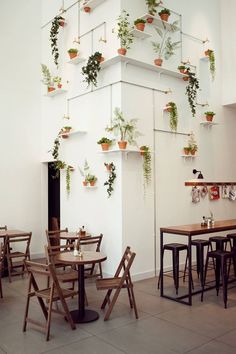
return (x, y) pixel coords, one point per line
(52, 293)
(53, 237)
(122, 279)
(12, 241)
(92, 243)
(2, 256)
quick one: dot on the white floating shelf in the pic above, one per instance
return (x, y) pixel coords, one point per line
(206, 123)
(55, 92)
(76, 60)
(140, 34)
(119, 150)
(135, 62)
(204, 58)
(189, 156)
(158, 22)
(89, 187)
(91, 3)
(73, 132)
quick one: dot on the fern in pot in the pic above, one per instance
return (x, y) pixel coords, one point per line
(124, 33)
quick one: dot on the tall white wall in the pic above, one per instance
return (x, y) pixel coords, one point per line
(20, 188)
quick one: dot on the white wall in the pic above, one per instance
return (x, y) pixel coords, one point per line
(20, 188)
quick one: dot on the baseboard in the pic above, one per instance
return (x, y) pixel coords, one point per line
(37, 255)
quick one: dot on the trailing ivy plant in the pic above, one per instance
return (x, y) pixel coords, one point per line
(111, 179)
(147, 169)
(68, 179)
(191, 90)
(173, 113)
(152, 5)
(54, 37)
(210, 53)
(91, 69)
(124, 34)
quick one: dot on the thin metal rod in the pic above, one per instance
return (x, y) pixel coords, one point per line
(111, 104)
(93, 29)
(154, 185)
(146, 87)
(202, 104)
(195, 38)
(170, 132)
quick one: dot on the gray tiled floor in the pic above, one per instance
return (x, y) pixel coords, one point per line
(164, 327)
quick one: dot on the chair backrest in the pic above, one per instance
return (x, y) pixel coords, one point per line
(3, 227)
(13, 241)
(2, 255)
(91, 241)
(54, 224)
(52, 251)
(125, 265)
(53, 237)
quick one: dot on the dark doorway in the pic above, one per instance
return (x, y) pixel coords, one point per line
(53, 198)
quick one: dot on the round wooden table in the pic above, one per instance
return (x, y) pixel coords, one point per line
(82, 315)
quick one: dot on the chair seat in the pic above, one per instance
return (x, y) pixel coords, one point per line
(218, 238)
(107, 283)
(221, 254)
(45, 293)
(233, 236)
(67, 275)
(177, 246)
(200, 242)
(16, 254)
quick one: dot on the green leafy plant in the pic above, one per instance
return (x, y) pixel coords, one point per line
(126, 130)
(152, 5)
(104, 140)
(72, 50)
(47, 77)
(173, 113)
(69, 169)
(139, 20)
(192, 144)
(191, 90)
(164, 11)
(111, 178)
(85, 171)
(91, 178)
(54, 37)
(91, 69)
(166, 48)
(210, 53)
(209, 113)
(147, 169)
(124, 34)
(181, 67)
(57, 80)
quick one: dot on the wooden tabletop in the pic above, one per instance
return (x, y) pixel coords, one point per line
(4, 233)
(72, 235)
(87, 258)
(197, 229)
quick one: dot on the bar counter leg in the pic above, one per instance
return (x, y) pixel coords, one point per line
(190, 271)
(161, 264)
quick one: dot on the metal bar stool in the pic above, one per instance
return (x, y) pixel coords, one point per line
(200, 246)
(220, 242)
(232, 238)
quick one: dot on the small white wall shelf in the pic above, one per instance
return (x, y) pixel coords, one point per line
(90, 187)
(208, 124)
(188, 157)
(140, 34)
(205, 58)
(158, 22)
(91, 3)
(135, 62)
(55, 92)
(119, 150)
(76, 60)
(74, 132)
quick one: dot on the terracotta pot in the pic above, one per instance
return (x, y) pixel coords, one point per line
(73, 55)
(87, 9)
(186, 151)
(82, 233)
(51, 88)
(62, 23)
(142, 152)
(122, 51)
(185, 78)
(108, 167)
(149, 20)
(158, 62)
(207, 53)
(105, 146)
(167, 109)
(182, 71)
(65, 136)
(209, 117)
(59, 86)
(122, 144)
(192, 152)
(164, 17)
(101, 59)
(85, 183)
(140, 26)
(92, 183)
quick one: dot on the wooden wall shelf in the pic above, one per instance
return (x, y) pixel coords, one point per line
(192, 184)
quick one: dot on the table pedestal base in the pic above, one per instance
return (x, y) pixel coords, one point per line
(89, 316)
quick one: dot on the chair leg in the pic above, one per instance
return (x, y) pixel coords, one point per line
(49, 319)
(134, 302)
(217, 275)
(113, 301)
(204, 277)
(67, 313)
(106, 299)
(224, 275)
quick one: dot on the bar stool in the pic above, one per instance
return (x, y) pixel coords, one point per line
(200, 246)
(175, 248)
(232, 238)
(220, 242)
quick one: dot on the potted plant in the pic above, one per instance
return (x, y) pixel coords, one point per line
(192, 144)
(164, 14)
(69, 169)
(85, 172)
(108, 166)
(173, 115)
(147, 170)
(211, 55)
(124, 34)
(82, 231)
(191, 90)
(152, 5)
(91, 69)
(86, 8)
(91, 179)
(111, 178)
(73, 52)
(186, 150)
(105, 143)
(57, 80)
(65, 131)
(126, 130)
(165, 48)
(182, 69)
(140, 24)
(209, 116)
(47, 78)
(56, 23)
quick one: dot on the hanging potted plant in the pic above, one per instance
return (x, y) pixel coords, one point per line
(124, 34)
(91, 69)
(73, 52)
(47, 78)
(86, 8)
(173, 115)
(56, 23)
(209, 116)
(105, 143)
(69, 169)
(111, 178)
(164, 14)
(85, 172)
(165, 48)
(108, 166)
(126, 130)
(191, 90)
(152, 5)
(91, 180)
(140, 24)
(211, 55)
(65, 131)
(147, 170)
(57, 80)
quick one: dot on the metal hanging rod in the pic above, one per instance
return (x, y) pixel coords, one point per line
(195, 38)
(93, 29)
(170, 132)
(146, 87)
(202, 104)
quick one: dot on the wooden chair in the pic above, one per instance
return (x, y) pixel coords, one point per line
(2, 256)
(20, 256)
(122, 279)
(52, 293)
(89, 243)
(53, 237)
